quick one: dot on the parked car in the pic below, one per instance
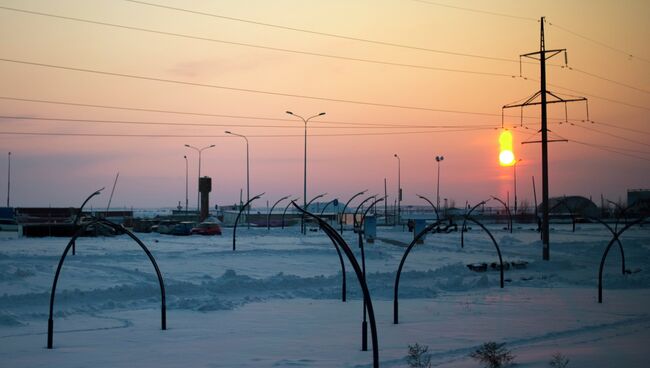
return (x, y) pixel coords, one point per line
(207, 228)
(164, 227)
(183, 228)
(7, 224)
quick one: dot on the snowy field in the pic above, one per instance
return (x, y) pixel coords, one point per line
(276, 301)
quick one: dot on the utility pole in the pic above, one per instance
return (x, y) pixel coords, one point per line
(8, 177)
(385, 203)
(543, 93)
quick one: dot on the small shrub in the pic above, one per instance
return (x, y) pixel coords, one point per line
(559, 361)
(493, 355)
(418, 357)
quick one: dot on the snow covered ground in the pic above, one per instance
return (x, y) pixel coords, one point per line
(276, 301)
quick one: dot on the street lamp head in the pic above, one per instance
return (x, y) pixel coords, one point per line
(227, 132)
(187, 145)
(185, 157)
(439, 158)
(321, 114)
(289, 112)
(212, 145)
(395, 155)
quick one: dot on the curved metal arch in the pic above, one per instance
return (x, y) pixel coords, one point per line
(563, 201)
(496, 245)
(354, 217)
(234, 230)
(401, 265)
(462, 229)
(268, 217)
(78, 216)
(408, 250)
(346, 206)
(435, 209)
(620, 244)
(303, 226)
(572, 211)
(507, 211)
(286, 208)
(357, 269)
(617, 234)
(363, 218)
(621, 213)
(344, 282)
(364, 328)
(116, 227)
(326, 205)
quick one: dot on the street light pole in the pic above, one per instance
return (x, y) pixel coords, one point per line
(186, 181)
(304, 192)
(199, 150)
(399, 187)
(248, 183)
(438, 159)
(8, 177)
(514, 168)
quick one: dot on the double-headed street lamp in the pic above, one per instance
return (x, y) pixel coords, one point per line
(304, 193)
(199, 150)
(248, 187)
(438, 159)
(399, 187)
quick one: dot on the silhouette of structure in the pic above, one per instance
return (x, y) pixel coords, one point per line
(205, 187)
(543, 94)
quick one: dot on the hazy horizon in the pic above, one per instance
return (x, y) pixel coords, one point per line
(432, 82)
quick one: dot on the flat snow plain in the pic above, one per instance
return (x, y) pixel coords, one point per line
(276, 301)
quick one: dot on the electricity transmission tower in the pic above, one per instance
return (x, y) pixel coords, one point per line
(544, 95)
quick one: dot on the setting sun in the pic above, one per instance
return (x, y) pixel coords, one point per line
(506, 156)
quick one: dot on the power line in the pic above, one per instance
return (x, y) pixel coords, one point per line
(607, 79)
(228, 136)
(339, 57)
(625, 149)
(590, 94)
(602, 44)
(334, 35)
(608, 149)
(476, 10)
(600, 97)
(620, 127)
(133, 122)
(371, 61)
(599, 43)
(245, 90)
(392, 44)
(190, 113)
(612, 135)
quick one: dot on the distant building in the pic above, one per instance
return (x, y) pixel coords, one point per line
(635, 196)
(573, 206)
(638, 201)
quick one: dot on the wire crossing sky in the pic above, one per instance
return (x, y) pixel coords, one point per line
(94, 88)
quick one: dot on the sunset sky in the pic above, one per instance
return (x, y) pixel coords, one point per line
(432, 82)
